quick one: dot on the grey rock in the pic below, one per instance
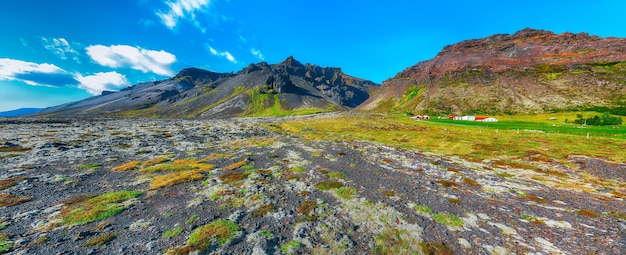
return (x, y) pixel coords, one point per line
(236, 216)
(20, 242)
(151, 245)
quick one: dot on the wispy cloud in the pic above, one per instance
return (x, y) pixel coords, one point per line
(98, 82)
(61, 48)
(183, 10)
(117, 56)
(224, 54)
(24, 42)
(34, 73)
(257, 53)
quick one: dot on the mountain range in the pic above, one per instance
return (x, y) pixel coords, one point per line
(287, 88)
(20, 112)
(530, 71)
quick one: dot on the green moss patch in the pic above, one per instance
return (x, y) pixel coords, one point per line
(221, 231)
(448, 219)
(96, 208)
(328, 185)
(101, 240)
(172, 232)
(346, 192)
(336, 175)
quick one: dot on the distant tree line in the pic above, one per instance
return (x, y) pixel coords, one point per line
(614, 110)
(605, 120)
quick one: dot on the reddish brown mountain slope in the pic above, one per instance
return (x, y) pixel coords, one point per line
(529, 71)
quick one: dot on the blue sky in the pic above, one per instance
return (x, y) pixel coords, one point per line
(52, 52)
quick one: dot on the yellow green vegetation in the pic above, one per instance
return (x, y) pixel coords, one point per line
(432, 248)
(174, 178)
(172, 232)
(588, 213)
(14, 149)
(297, 169)
(307, 207)
(262, 211)
(533, 219)
(617, 214)
(388, 193)
(7, 200)
(85, 209)
(471, 182)
(336, 175)
(92, 166)
(215, 156)
(154, 161)
(408, 97)
(552, 76)
(127, 166)
(521, 142)
(346, 192)
(328, 185)
(180, 165)
(263, 104)
(458, 138)
(233, 177)
(448, 219)
(391, 241)
(221, 231)
(101, 240)
(290, 247)
(7, 183)
(40, 240)
(235, 165)
(169, 174)
(4, 245)
(423, 209)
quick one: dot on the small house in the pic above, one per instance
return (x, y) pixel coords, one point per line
(420, 117)
(470, 118)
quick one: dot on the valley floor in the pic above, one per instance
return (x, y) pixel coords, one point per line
(241, 187)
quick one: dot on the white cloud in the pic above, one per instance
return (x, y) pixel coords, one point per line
(33, 73)
(224, 54)
(257, 53)
(117, 56)
(98, 82)
(61, 48)
(183, 10)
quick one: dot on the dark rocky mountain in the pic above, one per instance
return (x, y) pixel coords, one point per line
(20, 112)
(261, 89)
(529, 71)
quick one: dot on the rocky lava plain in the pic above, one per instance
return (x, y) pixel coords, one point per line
(250, 190)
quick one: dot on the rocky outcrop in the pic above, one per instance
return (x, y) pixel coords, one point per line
(526, 48)
(529, 71)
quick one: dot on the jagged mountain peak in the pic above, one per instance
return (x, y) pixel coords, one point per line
(291, 62)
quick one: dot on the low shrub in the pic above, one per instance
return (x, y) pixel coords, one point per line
(328, 185)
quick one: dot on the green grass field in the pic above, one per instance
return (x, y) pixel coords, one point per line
(510, 139)
(542, 123)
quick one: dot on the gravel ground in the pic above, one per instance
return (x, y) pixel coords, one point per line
(276, 189)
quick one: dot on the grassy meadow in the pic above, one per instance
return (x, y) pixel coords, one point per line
(512, 138)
